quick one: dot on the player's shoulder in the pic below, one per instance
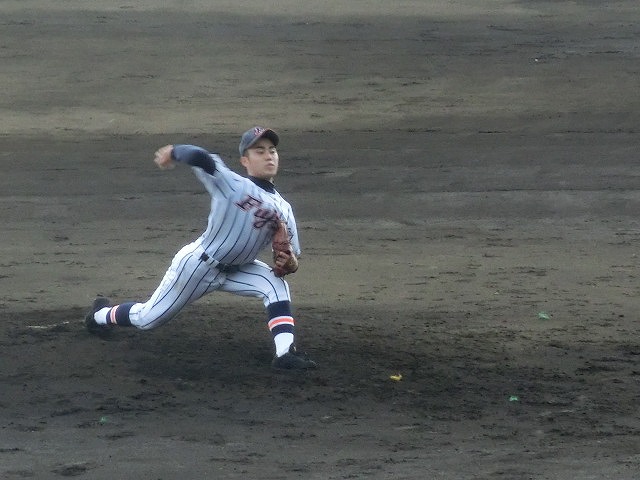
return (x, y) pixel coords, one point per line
(217, 159)
(223, 169)
(282, 203)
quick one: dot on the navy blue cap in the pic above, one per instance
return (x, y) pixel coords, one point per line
(254, 134)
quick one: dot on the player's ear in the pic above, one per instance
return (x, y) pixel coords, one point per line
(244, 160)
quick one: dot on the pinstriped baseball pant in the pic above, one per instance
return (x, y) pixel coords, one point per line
(189, 278)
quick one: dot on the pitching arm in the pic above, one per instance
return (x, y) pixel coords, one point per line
(167, 156)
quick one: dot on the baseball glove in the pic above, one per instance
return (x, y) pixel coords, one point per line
(284, 259)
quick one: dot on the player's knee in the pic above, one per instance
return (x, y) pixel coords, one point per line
(147, 326)
(147, 320)
(275, 296)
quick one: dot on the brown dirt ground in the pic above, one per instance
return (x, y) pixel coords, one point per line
(466, 180)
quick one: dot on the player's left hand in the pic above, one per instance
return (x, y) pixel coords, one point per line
(284, 263)
(284, 260)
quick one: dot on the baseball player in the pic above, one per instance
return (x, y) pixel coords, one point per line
(246, 213)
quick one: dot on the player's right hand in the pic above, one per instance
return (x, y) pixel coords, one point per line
(163, 158)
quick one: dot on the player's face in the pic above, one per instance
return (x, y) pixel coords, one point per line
(261, 160)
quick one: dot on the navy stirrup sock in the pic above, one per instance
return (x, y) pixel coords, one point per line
(119, 315)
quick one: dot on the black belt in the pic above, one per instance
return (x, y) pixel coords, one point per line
(221, 267)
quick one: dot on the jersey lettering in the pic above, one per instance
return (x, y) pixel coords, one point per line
(248, 203)
(262, 216)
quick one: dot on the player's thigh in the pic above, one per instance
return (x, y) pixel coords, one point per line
(257, 280)
(187, 279)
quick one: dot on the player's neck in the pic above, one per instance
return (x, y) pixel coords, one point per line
(263, 183)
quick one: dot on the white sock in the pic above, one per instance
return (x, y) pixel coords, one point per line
(283, 341)
(101, 316)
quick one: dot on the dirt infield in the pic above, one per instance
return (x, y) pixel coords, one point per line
(466, 182)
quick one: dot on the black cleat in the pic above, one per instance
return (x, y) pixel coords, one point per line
(94, 327)
(292, 360)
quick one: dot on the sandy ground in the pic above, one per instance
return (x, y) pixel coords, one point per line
(466, 182)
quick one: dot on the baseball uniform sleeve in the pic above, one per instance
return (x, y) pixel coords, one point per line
(194, 156)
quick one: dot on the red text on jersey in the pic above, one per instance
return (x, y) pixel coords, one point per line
(262, 216)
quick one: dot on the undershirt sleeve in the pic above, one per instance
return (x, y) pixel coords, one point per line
(194, 156)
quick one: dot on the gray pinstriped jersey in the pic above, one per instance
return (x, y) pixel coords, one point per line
(242, 216)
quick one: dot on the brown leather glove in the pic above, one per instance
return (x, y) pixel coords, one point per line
(284, 260)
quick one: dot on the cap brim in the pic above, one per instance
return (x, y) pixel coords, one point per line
(267, 133)
(270, 134)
